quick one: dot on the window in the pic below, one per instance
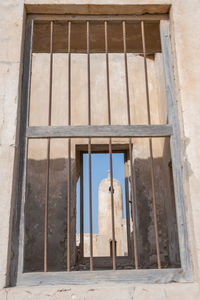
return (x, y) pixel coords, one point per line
(97, 89)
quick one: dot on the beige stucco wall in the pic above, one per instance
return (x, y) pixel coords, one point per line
(185, 29)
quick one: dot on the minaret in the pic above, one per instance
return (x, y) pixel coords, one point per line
(104, 216)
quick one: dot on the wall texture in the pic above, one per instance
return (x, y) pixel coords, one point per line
(185, 30)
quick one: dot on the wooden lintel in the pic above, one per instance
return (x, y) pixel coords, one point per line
(125, 17)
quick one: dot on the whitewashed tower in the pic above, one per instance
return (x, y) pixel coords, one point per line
(104, 217)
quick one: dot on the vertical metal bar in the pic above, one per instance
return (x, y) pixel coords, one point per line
(30, 75)
(126, 72)
(48, 156)
(81, 209)
(107, 70)
(133, 206)
(127, 203)
(69, 156)
(69, 73)
(90, 206)
(69, 208)
(88, 69)
(130, 150)
(146, 73)
(110, 148)
(112, 207)
(151, 148)
(89, 148)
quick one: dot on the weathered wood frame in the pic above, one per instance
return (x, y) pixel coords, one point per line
(125, 152)
(183, 274)
(99, 131)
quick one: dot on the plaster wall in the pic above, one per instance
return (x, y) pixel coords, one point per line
(185, 30)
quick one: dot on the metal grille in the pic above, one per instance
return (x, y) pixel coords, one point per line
(91, 132)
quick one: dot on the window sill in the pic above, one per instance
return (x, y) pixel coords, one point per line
(120, 276)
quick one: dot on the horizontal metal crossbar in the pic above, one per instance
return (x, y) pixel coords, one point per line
(99, 131)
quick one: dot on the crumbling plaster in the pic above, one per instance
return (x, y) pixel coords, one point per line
(185, 31)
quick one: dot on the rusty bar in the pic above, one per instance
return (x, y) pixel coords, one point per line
(88, 71)
(30, 73)
(90, 205)
(110, 148)
(146, 73)
(127, 202)
(81, 209)
(89, 147)
(69, 73)
(69, 208)
(112, 207)
(126, 73)
(51, 74)
(130, 150)
(69, 155)
(133, 206)
(46, 209)
(151, 148)
(107, 71)
(48, 156)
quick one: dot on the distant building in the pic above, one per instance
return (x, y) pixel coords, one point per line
(102, 241)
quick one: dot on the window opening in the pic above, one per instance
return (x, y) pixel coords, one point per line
(101, 88)
(102, 210)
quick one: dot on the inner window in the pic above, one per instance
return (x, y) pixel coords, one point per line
(101, 196)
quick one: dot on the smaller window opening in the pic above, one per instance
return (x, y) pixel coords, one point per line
(101, 211)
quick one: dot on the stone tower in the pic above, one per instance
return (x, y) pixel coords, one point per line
(105, 220)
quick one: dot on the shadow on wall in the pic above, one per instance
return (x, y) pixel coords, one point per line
(166, 215)
(57, 214)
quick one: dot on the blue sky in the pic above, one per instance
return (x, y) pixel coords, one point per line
(100, 167)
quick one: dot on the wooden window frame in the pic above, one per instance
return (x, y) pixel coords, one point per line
(183, 274)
